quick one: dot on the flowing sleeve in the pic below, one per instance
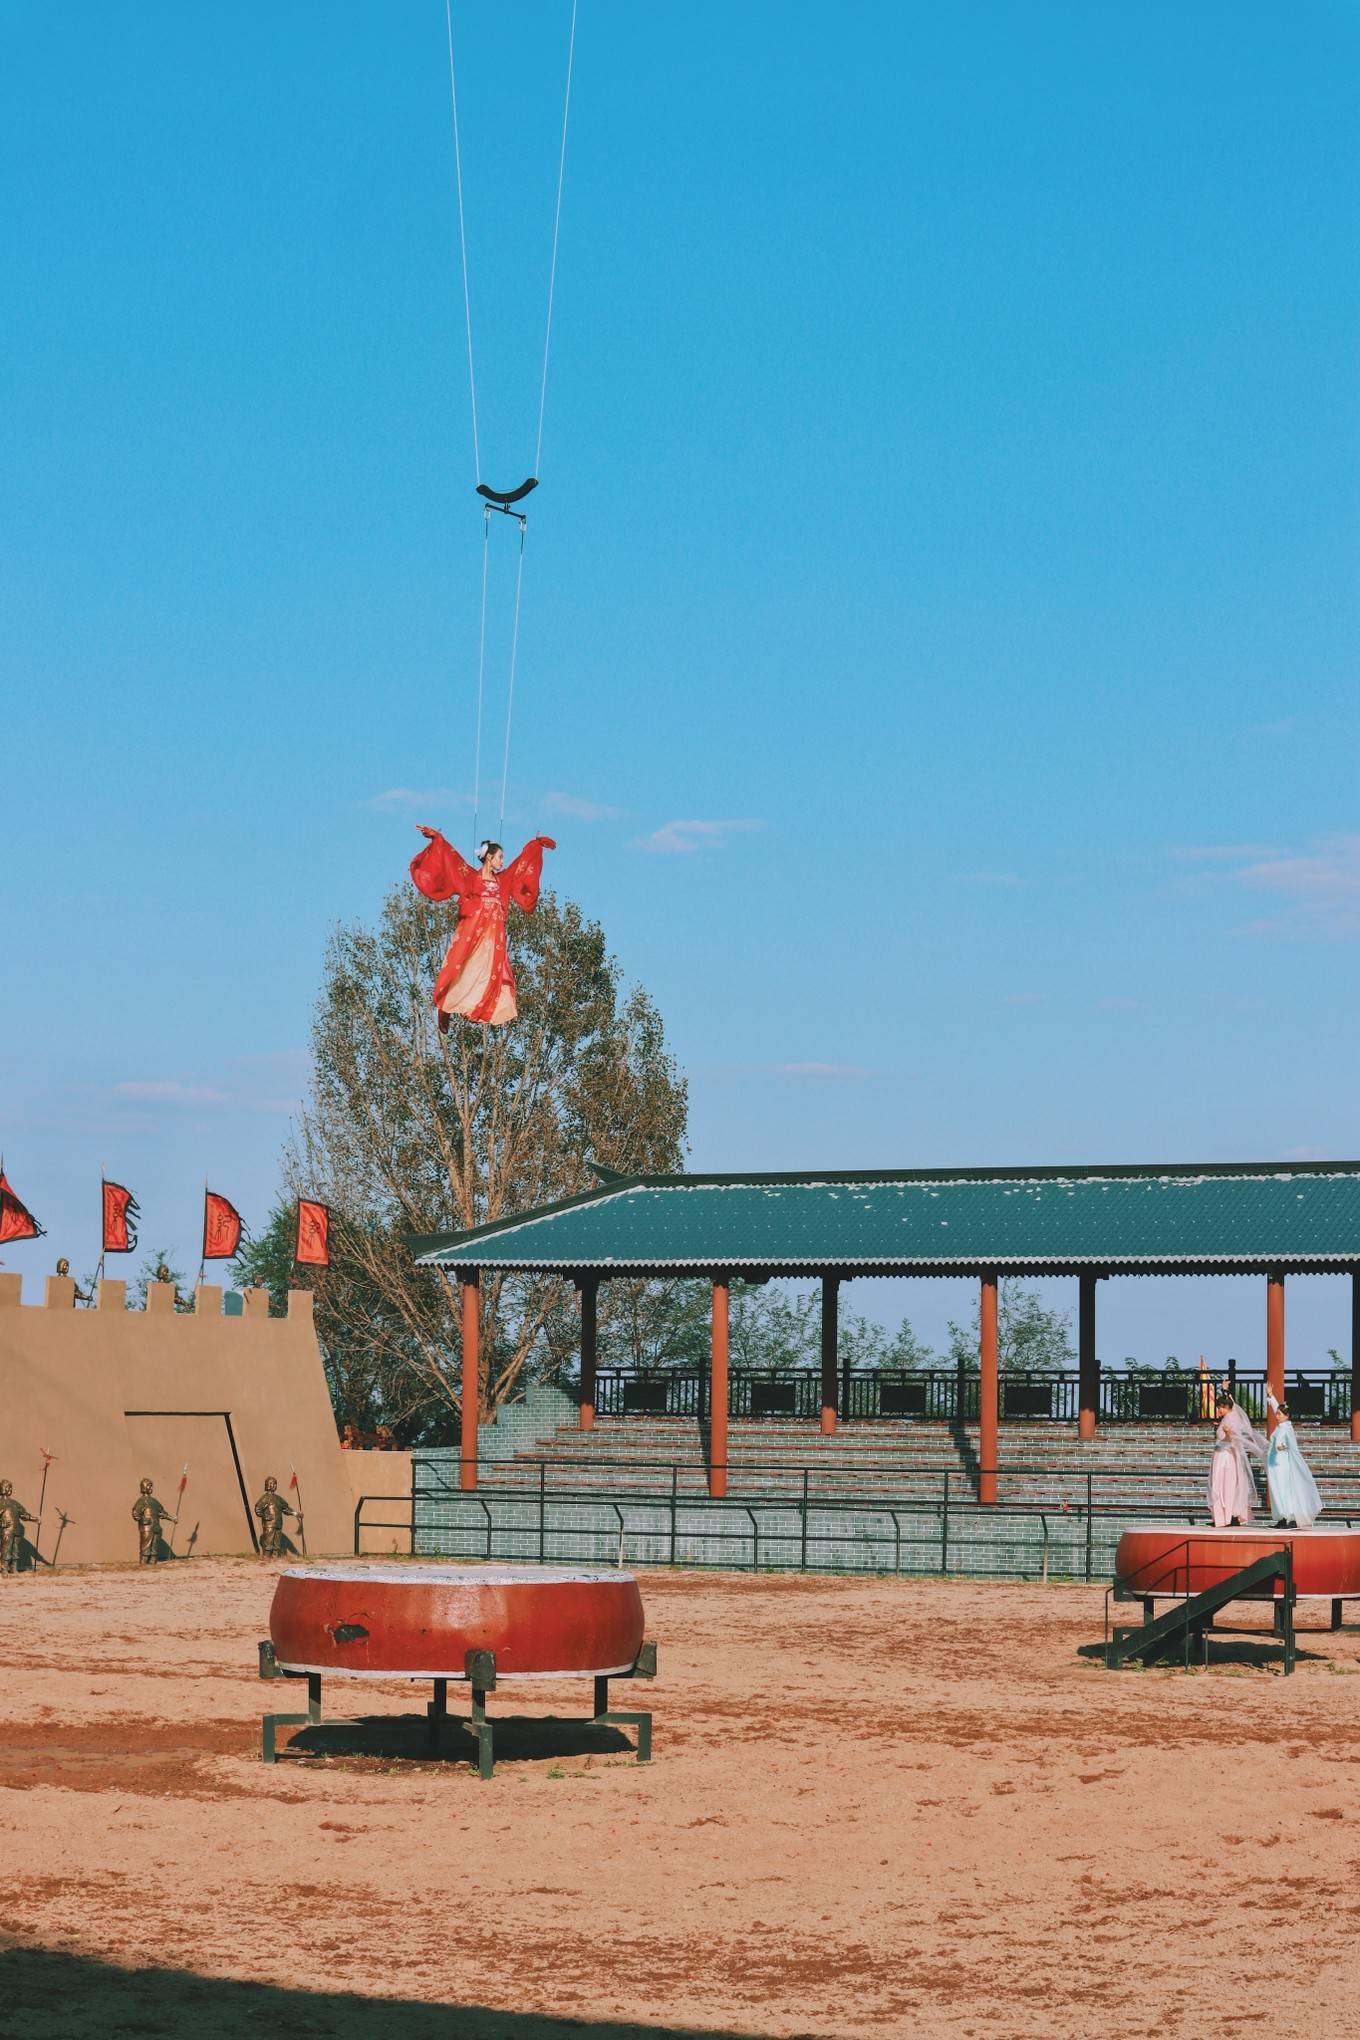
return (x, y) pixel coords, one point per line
(520, 880)
(439, 872)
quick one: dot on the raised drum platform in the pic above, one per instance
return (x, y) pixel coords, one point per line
(480, 1624)
(1160, 1560)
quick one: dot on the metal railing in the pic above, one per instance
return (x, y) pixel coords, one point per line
(944, 1395)
(804, 1522)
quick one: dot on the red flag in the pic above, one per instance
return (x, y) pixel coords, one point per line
(16, 1220)
(221, 1227)
(293, 1482)
(312, 1248)
(120, 1218)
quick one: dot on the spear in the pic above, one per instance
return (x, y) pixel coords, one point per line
(179, 1504)
(293, 1484)
(62, 1520)
(47, 1458)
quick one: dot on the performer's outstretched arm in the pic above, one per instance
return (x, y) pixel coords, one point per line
(438, 870)
(520, 881)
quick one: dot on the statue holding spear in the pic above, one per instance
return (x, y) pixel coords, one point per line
(13, 1516)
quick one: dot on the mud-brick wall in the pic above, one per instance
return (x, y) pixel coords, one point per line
(117, 1395)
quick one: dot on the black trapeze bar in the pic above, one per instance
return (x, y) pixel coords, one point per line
(501, 499)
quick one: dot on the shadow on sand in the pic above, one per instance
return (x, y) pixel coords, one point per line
(81, 1999)
(1225, 1650)
(519, 1739)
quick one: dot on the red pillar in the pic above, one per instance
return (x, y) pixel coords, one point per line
(590, 1295)
(989, 1392)
(717, 1394)
(830, 1300)
(472, 1382)
(1355, 1359)
(1088, 1370)
(1275, 1338)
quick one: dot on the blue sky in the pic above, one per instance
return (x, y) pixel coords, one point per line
(940, 629)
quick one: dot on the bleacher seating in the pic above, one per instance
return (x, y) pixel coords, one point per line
(1135, 1468)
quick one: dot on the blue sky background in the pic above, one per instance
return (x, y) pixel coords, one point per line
(949, 501)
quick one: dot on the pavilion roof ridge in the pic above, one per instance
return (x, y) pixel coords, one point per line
(1084, 1172)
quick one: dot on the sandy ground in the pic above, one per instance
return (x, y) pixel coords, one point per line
(876, 1808)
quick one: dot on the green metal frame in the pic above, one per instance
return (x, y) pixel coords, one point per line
(479, 1670)
(1188, 1621)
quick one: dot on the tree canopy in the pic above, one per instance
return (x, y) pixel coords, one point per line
(410, 1131)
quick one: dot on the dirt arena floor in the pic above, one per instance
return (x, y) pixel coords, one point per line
(876, 1808)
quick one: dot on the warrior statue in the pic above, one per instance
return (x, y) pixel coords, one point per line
(13, 1516)
(148, 1514)
(271, 1510)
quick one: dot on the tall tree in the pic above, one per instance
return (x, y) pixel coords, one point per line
(364, 1345)
(410, 1131)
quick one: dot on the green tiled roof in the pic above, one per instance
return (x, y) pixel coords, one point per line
(1241, 1217)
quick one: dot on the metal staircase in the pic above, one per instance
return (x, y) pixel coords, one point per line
(1187, 1623)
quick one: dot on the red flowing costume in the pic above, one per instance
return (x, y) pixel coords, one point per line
(476, 980)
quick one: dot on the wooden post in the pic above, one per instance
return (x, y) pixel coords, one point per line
(472, 1382)
(717, 1393)
(830, 1331)
(989, 1392)
(590, 1295)
(1355, 1359)
(1275, 1339)
(1088, 1367)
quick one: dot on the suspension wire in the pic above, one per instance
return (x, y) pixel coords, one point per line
(557, 226)
(481, 688)
(510, 692)
(462, 236)
(472, 391)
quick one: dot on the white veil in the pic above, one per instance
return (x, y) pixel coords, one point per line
(1293, 1490)
(1246, 1443)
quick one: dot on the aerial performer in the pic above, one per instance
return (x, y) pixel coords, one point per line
(1294, 1497)
(476, 980)
(1232, 1488)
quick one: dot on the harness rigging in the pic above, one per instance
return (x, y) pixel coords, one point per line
(476, 982)
(504, 501)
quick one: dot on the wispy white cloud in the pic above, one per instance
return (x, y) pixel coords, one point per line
(680, 838)
(578, 810)
(1118, 1002)
(998, 878)
(169, 1091)
(1306, 1154)
(1319, 890)
(397, 798)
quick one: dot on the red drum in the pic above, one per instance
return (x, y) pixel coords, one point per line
(419, 1621)
(1163, 1558)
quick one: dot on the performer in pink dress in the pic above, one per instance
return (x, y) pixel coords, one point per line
(1232, 1490)
(476, 980)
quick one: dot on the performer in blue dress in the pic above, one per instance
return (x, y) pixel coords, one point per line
(1294, 1496)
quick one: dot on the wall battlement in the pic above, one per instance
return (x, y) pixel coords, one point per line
(106, 1396)
(59, 1293)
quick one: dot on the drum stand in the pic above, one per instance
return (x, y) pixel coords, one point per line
(479, 1672)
